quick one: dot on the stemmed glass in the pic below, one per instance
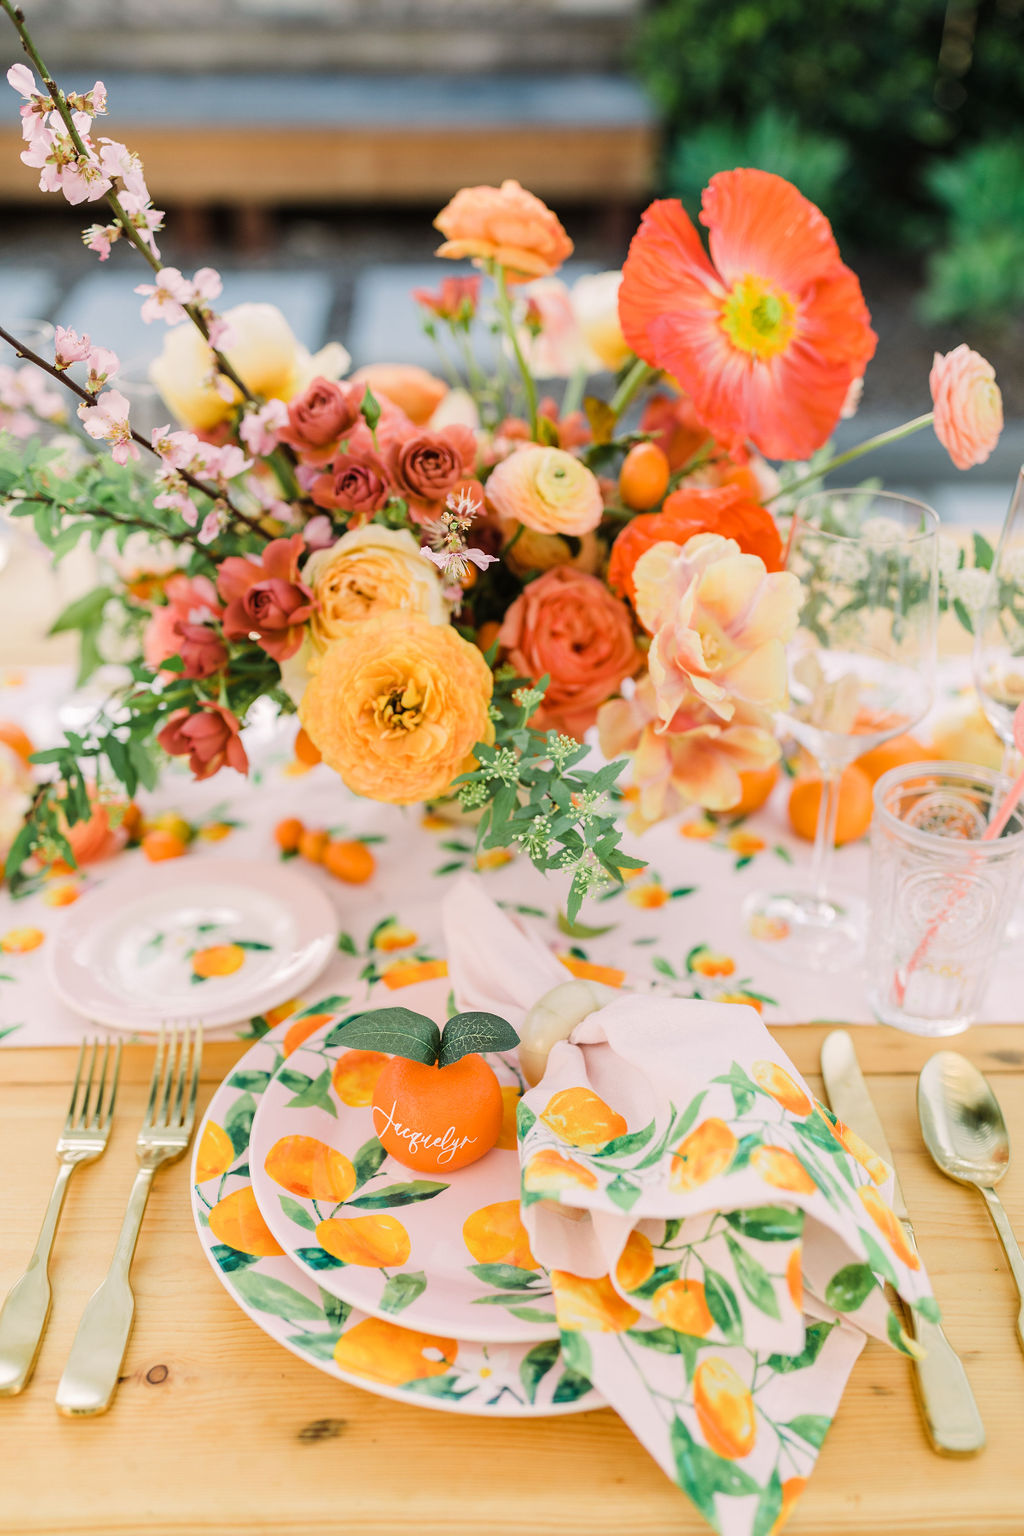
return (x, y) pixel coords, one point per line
(861, 669)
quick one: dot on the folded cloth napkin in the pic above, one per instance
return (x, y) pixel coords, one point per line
(717, 1241)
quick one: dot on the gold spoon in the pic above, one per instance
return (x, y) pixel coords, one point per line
(966, 1134)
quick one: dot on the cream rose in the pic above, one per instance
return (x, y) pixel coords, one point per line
(370, 571)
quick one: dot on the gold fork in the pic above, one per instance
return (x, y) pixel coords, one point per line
(84, 1137)
(90, 1376)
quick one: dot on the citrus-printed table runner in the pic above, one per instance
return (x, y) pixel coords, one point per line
(679, 922)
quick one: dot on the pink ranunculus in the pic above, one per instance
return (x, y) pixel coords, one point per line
(266, 599)
(320, 418)
(968, 405)
(568, 624)
(358, 484)
(427, 465)
(209, 738)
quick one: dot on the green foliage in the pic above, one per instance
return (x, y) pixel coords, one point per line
(979, 273)
(771, 141)
(401, 1032)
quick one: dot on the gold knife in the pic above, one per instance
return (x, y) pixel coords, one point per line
(950, 1414)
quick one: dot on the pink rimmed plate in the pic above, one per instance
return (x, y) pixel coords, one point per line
(446, 1250)
(380, 1355)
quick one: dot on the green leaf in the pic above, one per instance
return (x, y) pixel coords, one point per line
(878, 1258)
(928, 1307)
(850, 1287)
(402, 1290)
(675, 1128)
(255, 1082)
(238, 1122)
(269, 1295)
(664, 1340)
(689, 1470)
(723, 1306)
(398, 1194)
(768, 1223)
(814, 1342)
(368, 1160)
(536, 1364)
(469, 1033)
(451, 1387)
(320, 1345)
(84, 613)
(624, 1192)
(297, 1213)
(525, 1119)
(231, 1259)
(580, 930)
(983, 553)
(571, 1387)
(316, 1096)
(576, 1353)
(290, 1077)
(335, 1311)
(769, 1506)
(897, 1334)
(508, 1275)
(753, 1277)
(399, 1031)
(318, 1258)
(812, 1427)
(530, 1314)
(624, 1146)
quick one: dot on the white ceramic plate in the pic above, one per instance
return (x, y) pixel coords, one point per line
(214, 939)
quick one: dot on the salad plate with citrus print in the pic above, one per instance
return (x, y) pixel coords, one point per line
(218, 939)
(290, 1306)
(445, 1252)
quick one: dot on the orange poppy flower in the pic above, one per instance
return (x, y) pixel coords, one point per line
(766, 336)
(725, 510)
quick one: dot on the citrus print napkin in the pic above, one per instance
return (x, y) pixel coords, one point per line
(718, 1243)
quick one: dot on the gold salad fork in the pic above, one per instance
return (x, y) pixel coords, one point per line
(91, 1374)
(84, 1137)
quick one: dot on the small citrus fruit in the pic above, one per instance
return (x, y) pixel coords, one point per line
(159, 845)
(887, 1222)
(355, 1076)
(758, 784)
(578, 1116)
(373, 1242)
(287, 834)
(384, 1352)
(644, 476)
(236, 1222)
(782, 1169)
(437, 1119)
(795, 1276)
(893, 753)
(312, 844)
(305, 751)
(12, 735)
(701, 1156)
(636, 1262)
(218, 960)
(19, 941)
(301, 1030)
(774, 1080)
(349, 860)
(495, 1235)
(510, 1096)
(725, 1408)
(681, 1305)
(215, 1155)
(854, 816)
(310, 1169)
(590, 1306)
(549, 1173)
(792, 1488)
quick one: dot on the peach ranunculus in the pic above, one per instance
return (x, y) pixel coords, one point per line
(414, 390)
(546, 489)
(261, 348)
(370, 571)
(595, 302)
(569, 626)
(720, 624)
(968, 405)
(504, 224)
(397, 707)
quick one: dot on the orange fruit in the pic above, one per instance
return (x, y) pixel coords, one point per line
(287, 834)
(854, 816)
(510, 1096)
(681, 1305)
(771, 1077)
(437, 1119)
(374, 1242)
(549, 1173)
(795, 1276)
(701, 1156)
(19, 941)
(709, 963)
(758, 784)
(312, 844)
(407, 972)
(636, 1262)
(215, 1155)
(892, 754)
(495, 1235)
(725, 1409)
(651, 895)
(586, 970)
(782, 1169)
(590, 1306)
(12, 735)
(579, 1117)
(301, 1030)
(487, 634)
(218, 960)
(792, 1488)
(644, 476)
(384, 1352)
(310, 1169)
(350, 861)
(355, 1076)
(158, 845)
(236, 1222)
(131, 821)
(888, 1223)
(305, 751)
(63, 895)
(394, 936)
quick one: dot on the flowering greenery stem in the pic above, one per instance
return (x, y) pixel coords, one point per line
(868, 446)
(17, 17)
(639, 374)
(508, 322)
(110, 516)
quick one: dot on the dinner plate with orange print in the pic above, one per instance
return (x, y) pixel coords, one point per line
(446, 1252)
(408, 1364)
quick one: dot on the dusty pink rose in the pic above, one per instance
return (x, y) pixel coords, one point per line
(209, 738)
(355, 483)
(968, 405)
(200, 648)
(320, 418)
(427, 465)
(266, 598)
(568, 624)
(546, 489)
(190, 599)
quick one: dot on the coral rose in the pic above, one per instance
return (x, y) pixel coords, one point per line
(319, 418)
(201, 649)
(414, 390)
(504, 224)
(968, 405)
(358, 484)
(546, 489)
(190, 600)
(397, 708)
(568, 625)
(689, 511)
(370, 571)
(428, 465)
(265, 598)
(209, 738)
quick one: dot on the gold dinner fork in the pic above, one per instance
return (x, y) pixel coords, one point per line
(90, 1376)
(84, 1137)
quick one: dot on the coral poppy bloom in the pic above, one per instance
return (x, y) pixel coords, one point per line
(686, 512)
(768, 335)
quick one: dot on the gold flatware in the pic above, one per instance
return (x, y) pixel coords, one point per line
(965, 1132)
(950, 1413)
(90, 1376)
(83, 1139)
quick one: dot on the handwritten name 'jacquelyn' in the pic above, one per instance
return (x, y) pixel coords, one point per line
(446, 1146)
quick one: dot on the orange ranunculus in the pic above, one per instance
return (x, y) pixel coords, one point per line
(725, 510)
(414, 390)
(769, 334)
(968, 405)
(504, 224)
(546, 489)
(397, 708)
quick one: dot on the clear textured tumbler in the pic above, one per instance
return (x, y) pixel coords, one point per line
(940, 896)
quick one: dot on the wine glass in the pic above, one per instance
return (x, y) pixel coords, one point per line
(861, 669)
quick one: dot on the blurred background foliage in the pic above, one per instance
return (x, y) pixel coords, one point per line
(900, 118)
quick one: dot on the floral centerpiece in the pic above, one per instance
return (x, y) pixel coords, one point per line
(452, 579)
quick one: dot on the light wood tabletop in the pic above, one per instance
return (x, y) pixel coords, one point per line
(217, 1430)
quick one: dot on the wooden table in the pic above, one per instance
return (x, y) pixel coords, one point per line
(216, 1430)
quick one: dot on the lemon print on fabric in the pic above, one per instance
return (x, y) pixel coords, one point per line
(582, 1119)
(725, 1409)
(236, 1222)
(551, 1173)
(375, 1242)
(496, 1235)
(310, 1169)
(381, 1351)
(774, 1080)
(682, 1305)
(636, 1262)
(590, 1306)
(782, 1169)
(701, 1156)
(887, 1222)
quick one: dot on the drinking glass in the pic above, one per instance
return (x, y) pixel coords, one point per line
(861, 669)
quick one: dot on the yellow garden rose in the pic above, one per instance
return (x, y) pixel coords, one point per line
(397, 706)
(370, 571)
(546, 489)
